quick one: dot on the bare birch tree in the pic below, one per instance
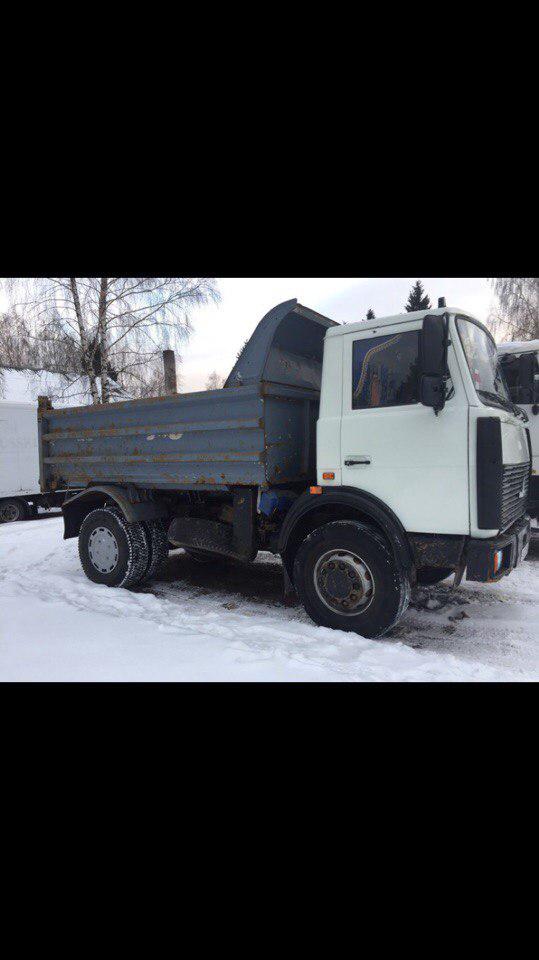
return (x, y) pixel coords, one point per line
(518, 315)
(112, 329)
(21, 349)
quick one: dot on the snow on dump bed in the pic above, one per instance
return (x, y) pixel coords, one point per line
(227, 622)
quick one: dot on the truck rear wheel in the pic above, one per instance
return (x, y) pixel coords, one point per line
(158, 544)
(12, 510)
(347, 579)
(112, 551)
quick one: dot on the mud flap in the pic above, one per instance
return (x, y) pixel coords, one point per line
(290, 596)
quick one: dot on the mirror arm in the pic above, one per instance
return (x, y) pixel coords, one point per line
(447, 343)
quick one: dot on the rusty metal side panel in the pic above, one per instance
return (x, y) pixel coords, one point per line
(199, 440)
(290, 427)
(255, 435)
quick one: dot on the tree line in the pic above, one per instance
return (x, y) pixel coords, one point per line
(417, 300)
(105, 333)
(516, 316)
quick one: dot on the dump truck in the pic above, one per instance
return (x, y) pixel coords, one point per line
(370, 457)
(520, 364)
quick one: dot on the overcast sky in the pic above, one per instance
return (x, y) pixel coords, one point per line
(219, 331)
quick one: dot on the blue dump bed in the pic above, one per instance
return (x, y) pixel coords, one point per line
(259, 430)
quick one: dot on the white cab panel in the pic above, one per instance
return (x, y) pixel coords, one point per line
(514, 442)
(328, 431)
(418, 461)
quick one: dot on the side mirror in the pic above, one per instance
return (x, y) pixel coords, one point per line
(434, 345)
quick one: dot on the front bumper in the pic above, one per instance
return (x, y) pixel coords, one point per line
(482, 563)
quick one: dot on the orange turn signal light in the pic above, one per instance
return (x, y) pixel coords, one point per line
(328, 476)
(315, 491)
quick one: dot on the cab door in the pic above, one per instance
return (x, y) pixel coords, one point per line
(391, 445)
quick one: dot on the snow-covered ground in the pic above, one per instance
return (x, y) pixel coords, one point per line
(228, 623)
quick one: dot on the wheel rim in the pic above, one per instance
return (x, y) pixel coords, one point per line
(344, 582)
(103, 550)
(10, 512)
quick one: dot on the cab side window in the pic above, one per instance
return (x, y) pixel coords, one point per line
(385, 371)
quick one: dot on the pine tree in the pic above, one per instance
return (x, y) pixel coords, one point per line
(371, 315)
(418, 299)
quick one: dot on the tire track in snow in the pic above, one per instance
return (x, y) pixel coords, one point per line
(259, 630)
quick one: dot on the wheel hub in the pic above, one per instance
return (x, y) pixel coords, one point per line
(103, 549)
(344, 582)
(9, 512)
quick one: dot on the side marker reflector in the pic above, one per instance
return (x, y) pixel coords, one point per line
(315, 491)
(328, 476)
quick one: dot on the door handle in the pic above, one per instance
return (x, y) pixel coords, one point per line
(363, 462)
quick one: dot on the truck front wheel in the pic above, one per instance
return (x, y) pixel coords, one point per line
(112, 551)
(347, 579)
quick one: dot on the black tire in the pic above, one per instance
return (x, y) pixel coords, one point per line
(158, 545)
(428, 576)
(128, 540)
(361, 556)
(13, 510)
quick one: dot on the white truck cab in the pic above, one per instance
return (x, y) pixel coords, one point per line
(449, 465)
(520, 364)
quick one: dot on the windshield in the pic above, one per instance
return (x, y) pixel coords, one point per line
(483, 361)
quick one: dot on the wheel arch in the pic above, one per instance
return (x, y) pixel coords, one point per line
(342, 503)
(78, 507)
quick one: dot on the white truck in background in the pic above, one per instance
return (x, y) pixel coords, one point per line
(20, 494)
(520, 364)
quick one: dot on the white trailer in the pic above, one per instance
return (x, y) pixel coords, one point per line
(20, 494)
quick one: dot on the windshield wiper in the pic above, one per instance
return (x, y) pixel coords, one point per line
(495, 397)
(504, 404)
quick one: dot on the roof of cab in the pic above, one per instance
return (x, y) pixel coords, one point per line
(380, 322)
(520, 346)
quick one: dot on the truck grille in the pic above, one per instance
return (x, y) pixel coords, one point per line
(515, 493)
